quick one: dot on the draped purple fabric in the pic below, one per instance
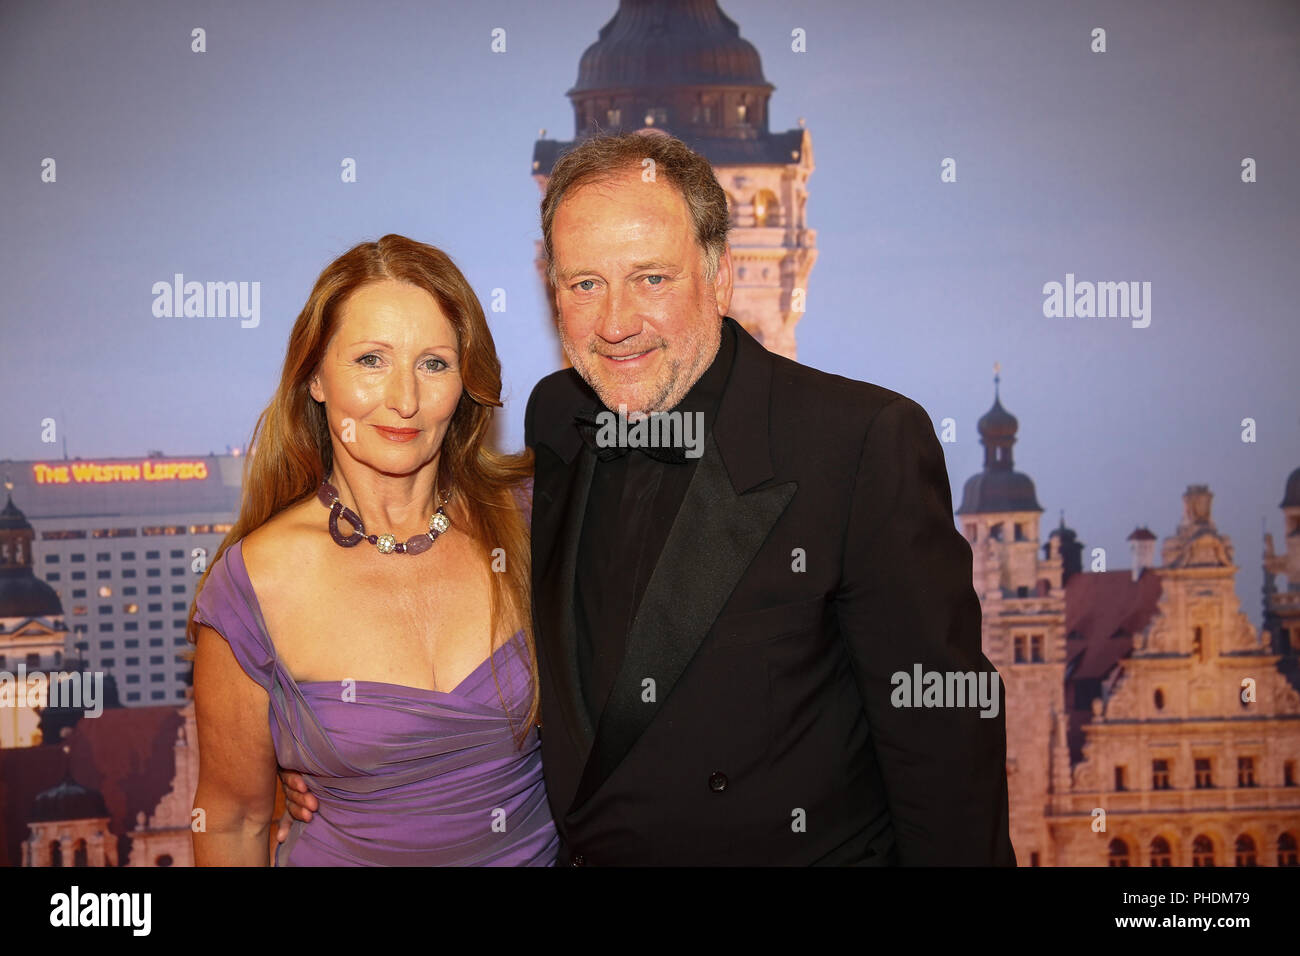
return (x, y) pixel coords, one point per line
(404, 776)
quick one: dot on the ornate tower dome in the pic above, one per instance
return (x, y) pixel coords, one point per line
(67, 800)
(998, 487)
(679, 64)
(22, 594)
(1291, 498)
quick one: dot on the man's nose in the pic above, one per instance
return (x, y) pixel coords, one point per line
(619, 316)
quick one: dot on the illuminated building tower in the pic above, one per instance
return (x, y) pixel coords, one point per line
(1282, 605)
(68, 826)
(32, 632)
(1189, 742)
(680, 66)
(1022, 598)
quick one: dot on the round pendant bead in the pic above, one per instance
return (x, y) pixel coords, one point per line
(385, 543)
(439, 522)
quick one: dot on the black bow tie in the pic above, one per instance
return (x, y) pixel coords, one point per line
(588, 427)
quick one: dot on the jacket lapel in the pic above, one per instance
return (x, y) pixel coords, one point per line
(720, 526)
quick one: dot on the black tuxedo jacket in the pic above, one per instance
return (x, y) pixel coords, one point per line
(813, 557)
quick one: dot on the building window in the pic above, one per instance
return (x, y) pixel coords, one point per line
(1119, 778)
(108, 662)
(1202, 851)
(78, 575)
(1020, 657)
(178, 589)
(105, 627)
(33, 660)
(1246, 772)
(1160, 853)
(77, 558)
(1198, 648)
(152, 555)
(177, 553)
(128, 572)
(133, 695)
(128, 592)
(1118, 855)
(1246, 851)
(157, 678)
(103, 556)
(1036, 648)
(155, 625)
(158, 695)
(51, 559)
(1020, 531)
(53, 576)
(133, 678)
(1288, 774)
(1203, 779)
(154, 589)
(153, 572)
(155, 642)
(614, 117)
(78, 592)
(155, 660)
(128, 555)
(1286, 851)
(1160, 775)
(106, 645)
(131, 626)
(133, 662)
(1159, 699)
(133, 642)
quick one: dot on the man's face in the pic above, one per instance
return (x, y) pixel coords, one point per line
(638, 320)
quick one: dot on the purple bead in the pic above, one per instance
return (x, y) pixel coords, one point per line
(372, 538)
(325, 495)
(419, 544)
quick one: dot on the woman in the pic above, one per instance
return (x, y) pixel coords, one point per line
(372, 598)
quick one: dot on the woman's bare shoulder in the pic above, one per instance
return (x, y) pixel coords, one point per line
(283, 546)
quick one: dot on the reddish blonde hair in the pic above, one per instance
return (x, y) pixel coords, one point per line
(290, 450)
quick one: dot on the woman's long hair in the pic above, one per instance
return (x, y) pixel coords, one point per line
(290, 451)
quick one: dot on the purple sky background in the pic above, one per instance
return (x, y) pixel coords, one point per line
(1118, 166)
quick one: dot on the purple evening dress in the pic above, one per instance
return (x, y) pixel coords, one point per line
(404, 777)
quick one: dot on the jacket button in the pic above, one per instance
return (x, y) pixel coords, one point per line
(717, 781)
(577, 860)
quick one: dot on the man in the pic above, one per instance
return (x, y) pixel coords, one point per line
(727, 633)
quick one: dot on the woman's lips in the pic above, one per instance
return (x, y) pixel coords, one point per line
(397, 434)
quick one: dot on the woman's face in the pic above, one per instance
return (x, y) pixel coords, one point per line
(390, 378)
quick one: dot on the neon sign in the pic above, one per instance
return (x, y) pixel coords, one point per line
(148, 469)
